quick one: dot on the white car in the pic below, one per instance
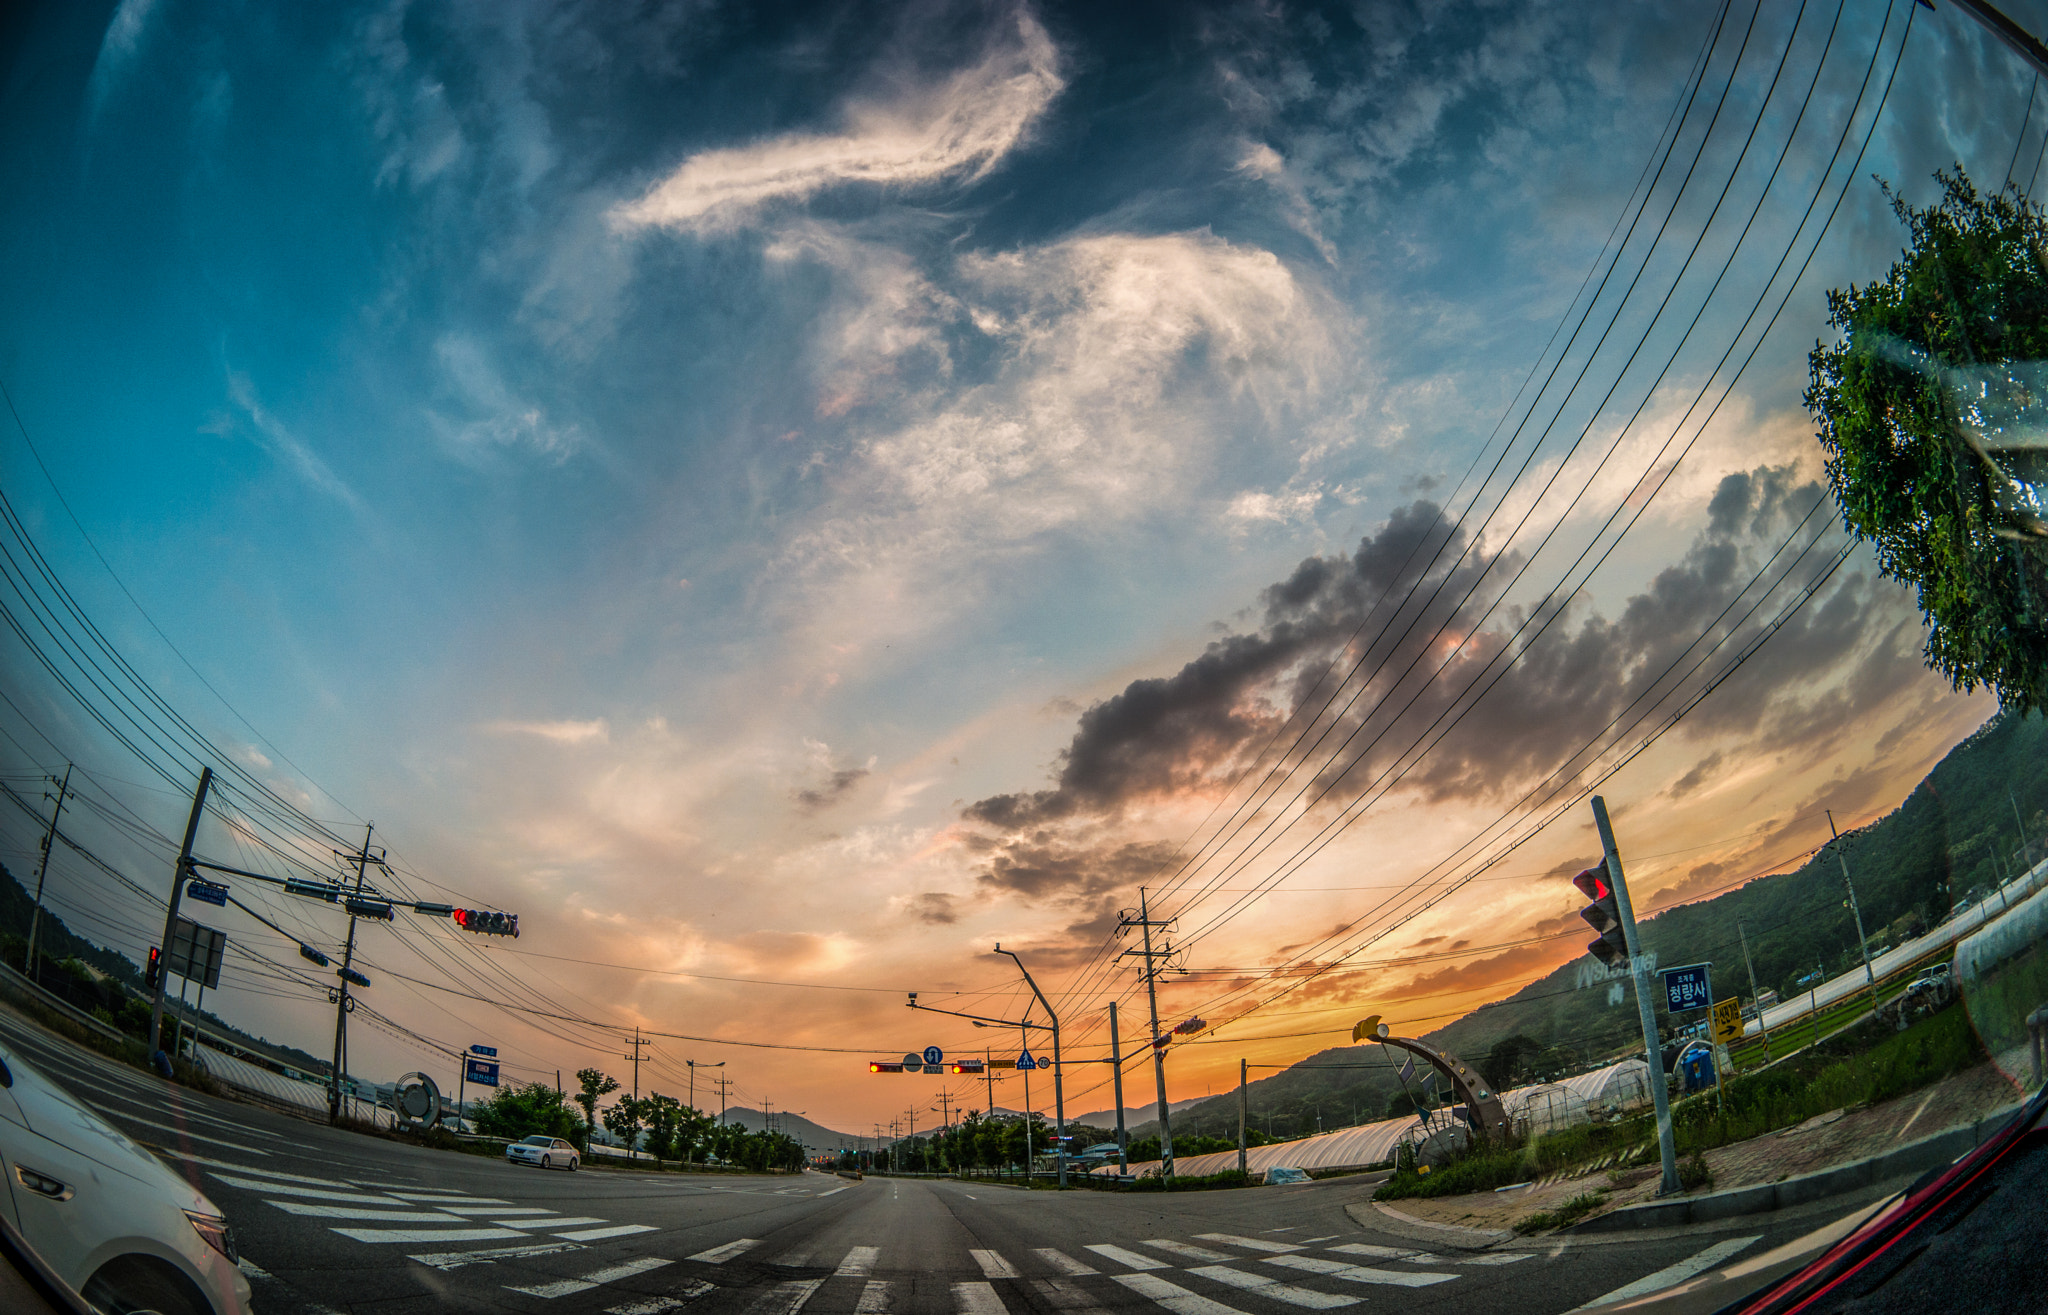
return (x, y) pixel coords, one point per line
(110, 1218)
(545, 1151)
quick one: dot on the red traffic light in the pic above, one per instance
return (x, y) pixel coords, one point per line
(154, 973)
(966, 1066)
(877, 1066)
(1592, 883)
(489, 924)
(1603, 915)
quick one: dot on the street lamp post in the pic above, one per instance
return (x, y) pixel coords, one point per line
(1059, 1103)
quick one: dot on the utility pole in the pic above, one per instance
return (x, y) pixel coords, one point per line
(1243, 1073)
(1862, 941)
(184, 869)
(1059, 1100)
(636, 1058)
(43, 866)
(342, 1003)
(1639, 970)
(724, 1083)
(1754, 994)
(1116, 1074)
(1145, 922)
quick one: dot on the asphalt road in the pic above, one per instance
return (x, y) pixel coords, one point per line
(332, 1221)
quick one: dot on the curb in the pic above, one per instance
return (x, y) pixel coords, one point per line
(1421, 1230)
(1914, 1157)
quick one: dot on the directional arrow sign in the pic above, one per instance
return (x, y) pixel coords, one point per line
(934, 1055)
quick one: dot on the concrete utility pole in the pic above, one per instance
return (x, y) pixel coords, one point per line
(342, 1004)
(636, 1057)
(1145, 922)
(184, 869)
(35, 925)
(1243, 1073)
(1754, 994)
(1639, 970)
(1862, 941)
(1059, 1100)
(1116, 1074)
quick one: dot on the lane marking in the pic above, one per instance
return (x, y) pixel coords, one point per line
(977, 1299)
(1129, 1258)
(499, 1209)
(1274, 1288)
(1673, 1275)
(428, 1234)
(599, 1234)
(1064, 1263)
(1253, 1243)
(157, 1107)
(1187, 1250)
(449, 1202)
(278, 1174)
(859, 1263)
(596, 1279)
(719, 1255)
(835, 1191)
(1062, 1295)
(992, 1265)
(580, 1221)
(681, 1297)
(189, 1135)
(448, 1260)
(789, 1298)
(311, 1193)
(874, 1298)
(314, 1210)
(1173, 1296)
(1372, 1252)
(1360, 1273)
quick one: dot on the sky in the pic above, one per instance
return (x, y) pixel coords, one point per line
(788, 498)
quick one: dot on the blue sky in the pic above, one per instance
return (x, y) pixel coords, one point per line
(673, 466)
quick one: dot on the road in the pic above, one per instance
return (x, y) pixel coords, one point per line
(332, 1221)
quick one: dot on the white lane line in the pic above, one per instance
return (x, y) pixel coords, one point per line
(1063, 1262)
(1270, 1287)
(557, 1221)
(428, 1234)
(599, 1234)
(1128, 1258)
(310, 1193)
(1186, 1250)
(859, 1263)
(719, 1255)
(448, 1260)
(1173, 1296)
(992, 1265)
(874, 1298)
(1672, 1275)
(676, 1300)
(315, 1210)
(1252, 1243)
(788, 1298)
(1360, 1273)
(977, 1299)
(834, 1192)
(596, 1279)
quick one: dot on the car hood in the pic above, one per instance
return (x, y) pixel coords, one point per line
(52, 1112)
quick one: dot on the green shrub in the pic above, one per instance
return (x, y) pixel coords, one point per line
(1195, 1183)
(1480, 1169)
(1694, 1174)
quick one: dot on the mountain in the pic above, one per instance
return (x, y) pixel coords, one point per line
(1953, 834)
(1134, 1115)
(814, 1135)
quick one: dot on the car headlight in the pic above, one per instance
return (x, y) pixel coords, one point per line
(216, 1232)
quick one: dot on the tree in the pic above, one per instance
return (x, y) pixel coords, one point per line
(522, 1110)
(624, 1119)
(665, 1116)
(592, 1084)
(1506, 1059)
(1927, 405)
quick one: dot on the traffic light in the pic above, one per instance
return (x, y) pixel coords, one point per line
(351, 975)
(489, 924)
(363, 908)
(966, 1066)
(308, 952)
(1603, 915)
(880, 1066)
(154, 972)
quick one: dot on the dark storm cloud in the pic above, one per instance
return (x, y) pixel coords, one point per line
(1574, 673)
(831, 791)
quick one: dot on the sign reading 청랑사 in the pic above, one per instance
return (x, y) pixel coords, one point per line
(1687, 988)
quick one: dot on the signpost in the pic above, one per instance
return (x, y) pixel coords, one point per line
(1688, 987)
(1727, 1016)
(207, 892)
(1025, 1061)
(483, 1072)
(195, 954)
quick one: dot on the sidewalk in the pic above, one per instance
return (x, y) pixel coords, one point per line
(1835, 1138)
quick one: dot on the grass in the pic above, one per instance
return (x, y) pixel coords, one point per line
(1205, 1182)
(1481, 1169)
(1569, 1213)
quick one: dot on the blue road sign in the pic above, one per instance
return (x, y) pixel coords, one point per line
(934, 1055)
(1687, 988)
(1026, 1061)
(488, 1052)
(206, 892)
(481, 1072)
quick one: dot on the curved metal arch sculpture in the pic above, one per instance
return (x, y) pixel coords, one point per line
(416, 1101)
(1488, 1115)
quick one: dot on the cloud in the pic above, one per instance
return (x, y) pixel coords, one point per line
(935, 906)
(957, 129)
(831, 791)
(286, 446)
(119, 48)
(489, 414)
(561, 732)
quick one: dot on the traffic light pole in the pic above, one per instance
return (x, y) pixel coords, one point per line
(1059, 1100)
(156, 995)
(1639, 972)
(341, 998)
(1116, 1074)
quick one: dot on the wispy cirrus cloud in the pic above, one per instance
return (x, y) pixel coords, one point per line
(561, 732)
(277, 437)
(956, 129)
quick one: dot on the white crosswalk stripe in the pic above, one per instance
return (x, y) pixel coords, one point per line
(365, 1214)
(552, 1221)
(389, 1235)
(1249, 1243)
(447, 1260)
(600, 1234)
(596, 1279)
(1372, 1252)
(859, 1263)
(1128, 1259)
(977, 1299)
(1360, 1273)
(1063, 1262)
(1672, 1275)
(1062, 1295)
(1173, 1296)
(789, 1298)
(874, 1297)
(719, 1255)
(1187, 1250)
(1267, 1286)
(993, 1265)
(676, 1300)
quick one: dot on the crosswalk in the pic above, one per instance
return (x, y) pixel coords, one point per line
(1202, 1275)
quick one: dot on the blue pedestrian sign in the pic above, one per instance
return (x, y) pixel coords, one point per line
(1026, 1061)
(488, 1052)
(482, 1072)
(1687, 988)
(934, 1055)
